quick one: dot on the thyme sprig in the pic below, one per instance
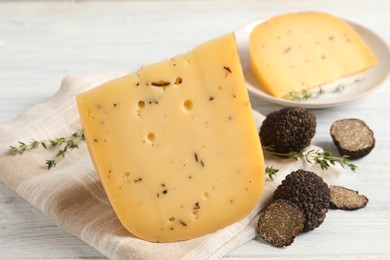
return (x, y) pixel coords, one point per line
(63, 144)
(323, 158)
(305, 94)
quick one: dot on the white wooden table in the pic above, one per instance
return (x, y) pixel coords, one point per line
(41, 42)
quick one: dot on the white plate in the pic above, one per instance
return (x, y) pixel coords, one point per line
(366, 83)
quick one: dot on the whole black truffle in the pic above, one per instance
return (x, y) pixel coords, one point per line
(309, 192)
(288, 130)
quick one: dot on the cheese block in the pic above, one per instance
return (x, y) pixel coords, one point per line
(175, 144)
(299, 51)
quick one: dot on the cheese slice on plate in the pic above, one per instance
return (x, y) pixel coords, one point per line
(299, 51)
(175, 144)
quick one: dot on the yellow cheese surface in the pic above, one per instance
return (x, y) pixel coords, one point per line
(175, 144)
(299, 51)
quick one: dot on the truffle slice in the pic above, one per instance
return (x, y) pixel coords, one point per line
(280, 223)
(308, 191)
(352, 137)
(288, 130)
(343, 198)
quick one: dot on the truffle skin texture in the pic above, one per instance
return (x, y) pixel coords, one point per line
(343, 198)
(288, 130)
(352, 137)
(309, 192)
(280, 223)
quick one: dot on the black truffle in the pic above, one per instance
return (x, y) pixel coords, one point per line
(288, 130)
(343, 198)
(309, 192)
(280, 223)
(352, 137)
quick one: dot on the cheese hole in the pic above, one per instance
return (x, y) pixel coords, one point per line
(206, 194)
(141, 104)
(323, 57)
(171, 219)
(188, 105)
(90, 115)
(196, 213)
(125, 176)
(178, 80)
(151, 137)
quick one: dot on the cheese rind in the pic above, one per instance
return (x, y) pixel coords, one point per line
(175, 145)
(299, 51)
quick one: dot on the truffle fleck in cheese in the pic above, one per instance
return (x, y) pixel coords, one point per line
(175, 144)
(304, 50)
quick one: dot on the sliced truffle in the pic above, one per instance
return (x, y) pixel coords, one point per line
(352, 137)
(280, 223)
(288, 130)
(343, 198)
(309, 192)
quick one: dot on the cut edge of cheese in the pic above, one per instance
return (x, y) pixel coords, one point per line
(175, 144)
(297, 51)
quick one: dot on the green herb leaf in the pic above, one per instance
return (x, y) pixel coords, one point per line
(270, 171)
(50, 164)
(339, 88)
(13, 150)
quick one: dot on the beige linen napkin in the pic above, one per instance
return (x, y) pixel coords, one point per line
(72, 196)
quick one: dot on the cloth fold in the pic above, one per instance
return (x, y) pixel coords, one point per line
(72, 196)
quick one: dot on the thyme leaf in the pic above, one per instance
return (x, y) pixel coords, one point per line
(270, 171)
(63, 144)
(339, 88)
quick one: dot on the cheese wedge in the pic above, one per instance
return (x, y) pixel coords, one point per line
(175, 144)
(299, 51)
